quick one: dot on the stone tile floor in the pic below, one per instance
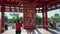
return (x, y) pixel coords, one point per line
(36, 31)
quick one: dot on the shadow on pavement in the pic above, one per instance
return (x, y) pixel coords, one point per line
(38, 31)
(52, 32)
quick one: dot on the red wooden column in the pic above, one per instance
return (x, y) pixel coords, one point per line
(43, 17)
(2, 17)
(43, 21)
(29, 17)
(46, 21)
(46, 18)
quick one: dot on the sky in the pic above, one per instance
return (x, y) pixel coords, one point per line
(49, 13)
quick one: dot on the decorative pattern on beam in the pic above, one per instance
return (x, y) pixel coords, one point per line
(12, 9)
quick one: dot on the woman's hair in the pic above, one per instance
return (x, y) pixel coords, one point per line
(17, 20)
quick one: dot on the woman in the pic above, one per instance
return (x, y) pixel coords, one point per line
(18, 27)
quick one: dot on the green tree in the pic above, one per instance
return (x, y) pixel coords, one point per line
(56, 15)
(21, 19)
(49, 20)
(38, 19)
(10, 20)
(15, 17)
(59, 20)
(5, 18)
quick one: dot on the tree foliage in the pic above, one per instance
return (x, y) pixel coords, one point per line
(38, 19)
(14, 19)
(56, 17)
(5, 18)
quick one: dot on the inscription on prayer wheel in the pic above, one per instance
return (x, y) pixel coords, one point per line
(29, 17)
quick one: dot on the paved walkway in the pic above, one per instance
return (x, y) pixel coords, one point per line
(36, 31)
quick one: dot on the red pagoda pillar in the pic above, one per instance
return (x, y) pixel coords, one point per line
(46, 21)
(46, 18)
(2, 17)
(43, 16)
(43, 20)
